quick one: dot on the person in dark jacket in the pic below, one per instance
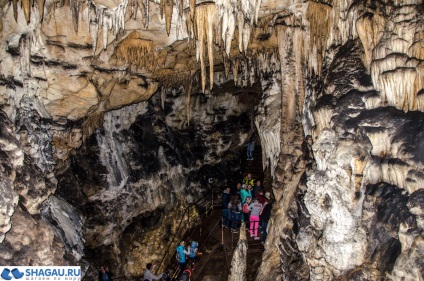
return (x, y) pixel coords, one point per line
(105, 274)
(265, 215)
(226, 214)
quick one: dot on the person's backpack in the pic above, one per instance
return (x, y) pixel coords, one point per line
(246, 208)
(193, 249)
(180, 254)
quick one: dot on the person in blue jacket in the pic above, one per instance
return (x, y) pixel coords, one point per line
(181, 256)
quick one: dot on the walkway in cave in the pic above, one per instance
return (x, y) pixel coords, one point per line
(217, 245)
(253, 166)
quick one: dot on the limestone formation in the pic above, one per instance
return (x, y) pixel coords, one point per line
(116, 115)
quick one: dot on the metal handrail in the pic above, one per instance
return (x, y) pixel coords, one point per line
(209, 194)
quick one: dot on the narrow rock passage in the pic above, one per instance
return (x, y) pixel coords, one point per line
(217, 245)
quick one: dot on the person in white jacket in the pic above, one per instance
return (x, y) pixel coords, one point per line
(148, 275)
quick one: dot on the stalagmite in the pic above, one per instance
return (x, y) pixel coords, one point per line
(238, 264)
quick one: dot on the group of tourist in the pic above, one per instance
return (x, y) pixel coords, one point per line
(247, 203)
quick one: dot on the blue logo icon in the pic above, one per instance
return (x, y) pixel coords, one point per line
(15, 272)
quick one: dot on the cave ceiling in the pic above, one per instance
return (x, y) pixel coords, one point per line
(84, 58)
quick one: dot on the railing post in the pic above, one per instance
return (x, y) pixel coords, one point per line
(222, 231)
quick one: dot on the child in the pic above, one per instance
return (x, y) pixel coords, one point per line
(246, 211)
(255, 209)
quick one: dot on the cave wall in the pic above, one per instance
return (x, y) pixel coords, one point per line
(77, 138)
(346, 213)
(116, 197)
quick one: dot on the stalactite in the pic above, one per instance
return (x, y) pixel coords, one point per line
(228, 32)
(257, 8)
(188, 89)
(26, 6)
(75, 9)
(15, 9)
(192, 6)
(300, 66)
(400, 87)
(397, 73)
(136, 51)
(109, 20)
(245, 67)
(146, 13)
(40, 4)
(188, 24)
(200, 53)
(181, 8)
(211, 26)
(90, 124)
(246, 35)
(370, 29)
(205, 22)
(25, 50)
(168, 14)
(140, 6)
(343, 16)
(94, 27)
(161, 7)
(227, 65)
(240, 23)
(235, 70)
(180, 26)
(292, 60)
(320, 22)
(106, 25)
(173, 79)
